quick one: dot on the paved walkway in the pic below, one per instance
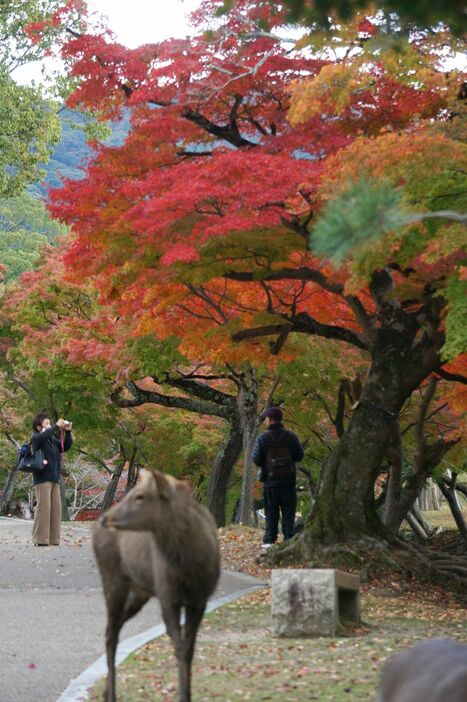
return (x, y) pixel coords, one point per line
(52, 615)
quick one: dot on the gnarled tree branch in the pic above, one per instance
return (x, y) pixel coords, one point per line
(303, 323)
(142, 397)
(454, 377)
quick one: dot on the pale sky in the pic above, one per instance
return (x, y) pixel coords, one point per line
(141, 21)
(135, 22)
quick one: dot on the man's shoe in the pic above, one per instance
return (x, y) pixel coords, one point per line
(266, 546)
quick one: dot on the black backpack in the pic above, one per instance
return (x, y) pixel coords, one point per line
(279, 461)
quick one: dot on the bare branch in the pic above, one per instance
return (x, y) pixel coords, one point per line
(96, 459)
(321, 399)
(201, 390)
(303, 324)
(422, 412)
(340, 410)
(432, 414)
(12, 440)
(303, 273)
(226, 132)
(454, 377)
(142, 397)
(440, 214)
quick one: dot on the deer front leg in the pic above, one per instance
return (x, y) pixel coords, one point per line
(171, 613)
(111, 640)
(193, 617)
(116, 601)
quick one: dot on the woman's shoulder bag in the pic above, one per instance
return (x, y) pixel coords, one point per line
(30, 460)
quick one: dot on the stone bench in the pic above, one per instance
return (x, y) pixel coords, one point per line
(313, 602)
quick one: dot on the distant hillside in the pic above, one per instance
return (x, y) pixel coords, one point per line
(25, 224)
(25, 228)
(72, 152)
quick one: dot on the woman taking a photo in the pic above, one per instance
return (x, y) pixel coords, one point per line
(52, 440)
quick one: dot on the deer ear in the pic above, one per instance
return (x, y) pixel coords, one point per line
(185, 486)
(162, 484)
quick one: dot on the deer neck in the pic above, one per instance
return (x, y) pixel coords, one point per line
(169, 541)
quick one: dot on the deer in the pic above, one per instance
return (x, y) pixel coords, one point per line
(430, 671)
(157, 542)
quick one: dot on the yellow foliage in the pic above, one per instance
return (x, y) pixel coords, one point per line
(449, 238)
(329, 91)
(404, 63)
(362, 67)
(404, 158)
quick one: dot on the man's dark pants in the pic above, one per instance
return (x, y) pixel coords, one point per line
(279, 501)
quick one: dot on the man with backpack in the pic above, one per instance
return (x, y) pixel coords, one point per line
(276, 451)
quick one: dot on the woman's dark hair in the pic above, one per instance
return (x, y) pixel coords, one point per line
(38, 419)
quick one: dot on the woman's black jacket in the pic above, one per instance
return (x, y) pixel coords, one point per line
(49, 442)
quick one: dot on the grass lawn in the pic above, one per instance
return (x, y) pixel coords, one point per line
(237, 659)
(443, 517)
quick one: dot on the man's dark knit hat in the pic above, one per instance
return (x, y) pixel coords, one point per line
(273, 413)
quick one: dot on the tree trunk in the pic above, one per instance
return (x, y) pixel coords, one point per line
(416, 527)
(345, 508)
(453, 501)
(460, 487)
(453, 477)
(222, 467)
(204, 400)
(435, 497)
(398, 502)
(246, 512)
(112, 486)
(401, 498)
(65, 513)
(418, 514)
(250, 425)
(10, 483)
(132, 476)
(7, 496)
(428, 497)
(401, 504)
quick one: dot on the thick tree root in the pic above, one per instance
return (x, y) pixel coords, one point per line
(454, 546)
(454, 567)
(372, 558)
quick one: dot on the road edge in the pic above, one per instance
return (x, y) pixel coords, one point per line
(78, 688)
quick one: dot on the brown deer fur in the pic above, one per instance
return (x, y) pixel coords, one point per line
(157, 542)
(430, 671)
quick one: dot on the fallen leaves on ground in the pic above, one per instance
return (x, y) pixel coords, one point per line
(241, 548)
(238, 659)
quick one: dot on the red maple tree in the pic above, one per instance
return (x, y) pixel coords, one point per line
(200, 221)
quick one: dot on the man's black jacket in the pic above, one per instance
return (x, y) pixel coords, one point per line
(49, 442)
(260, 450)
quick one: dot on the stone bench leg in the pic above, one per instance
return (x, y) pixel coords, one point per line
(348, 605)
(310, 602)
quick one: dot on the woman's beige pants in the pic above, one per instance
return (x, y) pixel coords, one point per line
(48, 514)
